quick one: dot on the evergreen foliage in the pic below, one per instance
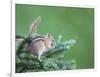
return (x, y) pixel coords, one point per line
(51, 61)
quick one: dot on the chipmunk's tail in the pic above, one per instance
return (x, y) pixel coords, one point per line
(34, 25)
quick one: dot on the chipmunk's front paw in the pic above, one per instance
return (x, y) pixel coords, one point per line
(40, 59)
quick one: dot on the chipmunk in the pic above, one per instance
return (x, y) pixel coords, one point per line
(39, 44)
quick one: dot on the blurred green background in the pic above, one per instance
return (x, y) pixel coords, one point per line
(70, 22)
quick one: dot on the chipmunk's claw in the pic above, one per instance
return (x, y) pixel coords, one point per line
(39, 58)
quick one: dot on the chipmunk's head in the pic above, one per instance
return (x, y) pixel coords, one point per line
(49, 41)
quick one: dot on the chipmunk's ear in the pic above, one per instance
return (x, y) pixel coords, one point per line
(48, 35)
(33, 26)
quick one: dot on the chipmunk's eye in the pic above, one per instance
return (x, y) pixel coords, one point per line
(53, 40)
